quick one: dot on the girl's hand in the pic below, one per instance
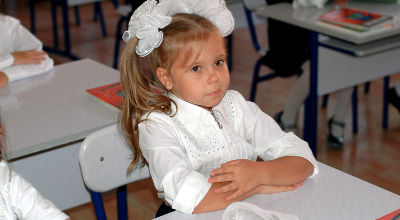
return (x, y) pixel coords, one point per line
(3, 79)
(265, 189)
(243, 175)
(28, 57)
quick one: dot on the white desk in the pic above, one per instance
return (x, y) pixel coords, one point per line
(332, 70)
(331, 194)
(45, 118)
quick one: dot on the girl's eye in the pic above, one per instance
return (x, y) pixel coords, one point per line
(219, 63)
(196, 69)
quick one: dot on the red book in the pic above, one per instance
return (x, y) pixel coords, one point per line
(391, 216)
(111, 94)
(356, 19)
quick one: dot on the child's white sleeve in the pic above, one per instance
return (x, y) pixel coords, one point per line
(29, 204)
(18, 72)
(173, 176)
(268, 138)
(6, 61)
(21, 39)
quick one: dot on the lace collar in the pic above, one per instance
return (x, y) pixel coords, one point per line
(192, 116)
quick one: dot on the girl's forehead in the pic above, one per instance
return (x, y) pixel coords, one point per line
(191, 52)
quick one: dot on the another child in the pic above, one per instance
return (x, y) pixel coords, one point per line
(21, 54)
(200, 140)
(394, 95)
(19, 199)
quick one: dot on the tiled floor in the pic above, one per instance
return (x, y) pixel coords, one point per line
(372, 154)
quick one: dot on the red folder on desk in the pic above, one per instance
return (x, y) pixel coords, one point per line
(110, 94)
(355, 19)
(391, 216)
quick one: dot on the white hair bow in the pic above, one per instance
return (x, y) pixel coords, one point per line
(150, 17)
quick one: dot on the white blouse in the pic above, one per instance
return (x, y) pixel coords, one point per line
(183, 149)
(13, 38)
(19, 200)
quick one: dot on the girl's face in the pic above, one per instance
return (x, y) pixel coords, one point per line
(203, 80)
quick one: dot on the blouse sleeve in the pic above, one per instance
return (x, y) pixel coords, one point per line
(29, 204)
(172, 174)
(18, 72)
(21, 39)
(268, 138)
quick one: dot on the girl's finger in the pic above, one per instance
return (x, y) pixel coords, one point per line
(232, 162)
(220, 171)
(221, 178)
(230, 187)
(235, 195)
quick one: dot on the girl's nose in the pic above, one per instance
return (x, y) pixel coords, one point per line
(213, 76)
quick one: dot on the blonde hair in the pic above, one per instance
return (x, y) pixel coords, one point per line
(138, 74)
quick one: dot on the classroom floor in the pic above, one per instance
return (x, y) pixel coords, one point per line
(372, 154)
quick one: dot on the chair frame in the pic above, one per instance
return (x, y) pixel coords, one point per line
(104, 158)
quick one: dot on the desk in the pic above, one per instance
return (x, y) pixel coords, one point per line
(332, 194)
(45, 118)
(327, 76)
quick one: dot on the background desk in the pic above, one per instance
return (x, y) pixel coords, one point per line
(45, 119)
(331, 194)
(332, 70)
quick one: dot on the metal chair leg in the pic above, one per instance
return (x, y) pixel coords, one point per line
(53, 6)
(77, 16)
(117, 41)
(366, 88)
(254, 83)
(32, 15)
(122, 203)
(325, 101)
(385, 110)
(354, 102)
(98, 205)
(99, 11)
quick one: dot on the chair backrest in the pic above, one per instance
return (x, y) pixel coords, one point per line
(104, 158)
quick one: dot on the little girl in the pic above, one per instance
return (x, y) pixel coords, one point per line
(19, 200)
(200, 140)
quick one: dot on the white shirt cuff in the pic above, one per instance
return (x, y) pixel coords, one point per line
(193, 190)
(6, 61)
(291, 145)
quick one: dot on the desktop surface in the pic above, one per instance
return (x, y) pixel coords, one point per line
(332, 194)
(53, 109)
(307, 18)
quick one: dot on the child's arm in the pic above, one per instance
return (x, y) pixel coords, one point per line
(25, 57)
(28, 57)
(217, 201)
(246, 175)
(288, 159)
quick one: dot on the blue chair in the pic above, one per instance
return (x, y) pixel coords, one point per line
(65, 4)
(124, 11)
(104, 158)
(249, 7)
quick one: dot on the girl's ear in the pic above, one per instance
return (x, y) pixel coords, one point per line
(164, 77)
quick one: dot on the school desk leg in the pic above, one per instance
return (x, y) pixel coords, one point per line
(311, 110)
